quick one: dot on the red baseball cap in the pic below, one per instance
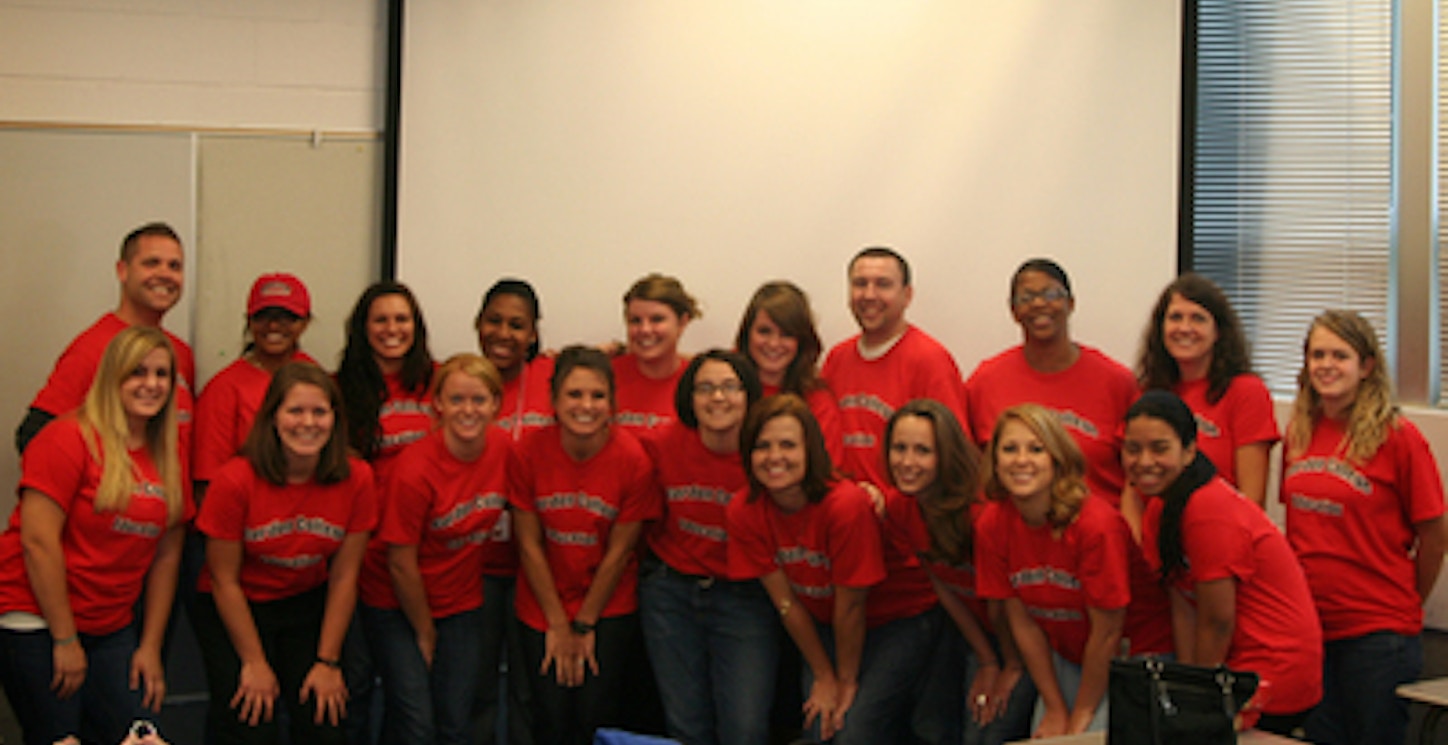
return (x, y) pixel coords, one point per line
(283, 291)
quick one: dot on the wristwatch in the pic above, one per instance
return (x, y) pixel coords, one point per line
(580, 627)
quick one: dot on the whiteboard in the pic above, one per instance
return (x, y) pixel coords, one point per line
(581, 145)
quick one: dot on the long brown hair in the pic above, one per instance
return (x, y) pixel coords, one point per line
(1158, 369)
(264, 446)
(945, 504)
(1068, 487)
(1373, 412)
(788, 307)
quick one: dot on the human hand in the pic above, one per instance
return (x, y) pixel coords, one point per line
(326, 683)
(147, 670)
(256, 693)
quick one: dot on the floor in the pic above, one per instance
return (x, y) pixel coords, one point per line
(182, 718)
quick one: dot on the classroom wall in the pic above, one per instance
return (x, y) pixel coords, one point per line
(252, 127)
(309, 64)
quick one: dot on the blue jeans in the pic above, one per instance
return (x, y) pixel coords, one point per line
(714, 647)
(1015, 722)
(892, 682)
(569, 716)
(1068, 677)
(421, 704)
(502, 636)
(100, 711)
(1359, 676)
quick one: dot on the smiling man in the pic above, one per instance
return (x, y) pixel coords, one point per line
(889, 363)
(150, 272)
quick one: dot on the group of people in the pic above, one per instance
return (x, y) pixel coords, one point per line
(940, 559)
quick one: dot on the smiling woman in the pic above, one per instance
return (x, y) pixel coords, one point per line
(286, 526)
(98, 527)
(278, 311)
(656, 310)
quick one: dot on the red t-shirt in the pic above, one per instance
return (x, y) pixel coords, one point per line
(1277, 634)
(447, 508)
(826, 411)
(1243, 416)
(405, 418)
(107, 554)
(528, 399)
(1351, 525)
(71, 378)
(527, 407)
(1090, 398)
(905, 527)
(906, 591)
(642, 403)
(225, 411)
(697, 484)
(833, 542)
(1095, 563)
(869, 392)
(578, 504)
(287, 533)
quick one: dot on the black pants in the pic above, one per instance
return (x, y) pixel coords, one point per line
(569, 716)
(289, 629)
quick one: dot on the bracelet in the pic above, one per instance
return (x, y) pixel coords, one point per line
(72, 639)
(784, 606)
(334, 664)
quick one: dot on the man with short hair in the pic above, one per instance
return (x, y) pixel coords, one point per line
(150, 274)
(889, 363)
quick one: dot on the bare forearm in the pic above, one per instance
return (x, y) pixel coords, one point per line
(411, 594)
(161, 587)
(235, 612)
(45, 567)
(1429, 558)
(1101, 646)
(849, 628)
(621, 542)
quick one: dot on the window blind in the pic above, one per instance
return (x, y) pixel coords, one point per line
(1291, 166)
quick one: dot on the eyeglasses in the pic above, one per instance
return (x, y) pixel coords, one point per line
(1050, 295)
(728, 388)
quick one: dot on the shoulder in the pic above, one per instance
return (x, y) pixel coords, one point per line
(1096, 360)
(845, 350)
(1004, 360)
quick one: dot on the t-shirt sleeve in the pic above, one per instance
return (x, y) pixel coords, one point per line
(642, 498)
(992, 579)
(1104, 568)
(364, 516)
(55, 464)
(215, 423)
(1217, 548)
(66, 387)
(751, 553)
(857, 555)
(520, 478)
(1417, 472)
(1254, 419)
(405, 506)
(223, 513)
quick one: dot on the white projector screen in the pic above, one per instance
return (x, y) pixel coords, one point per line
(582, 144)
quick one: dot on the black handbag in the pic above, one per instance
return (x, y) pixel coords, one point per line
(1154, 702)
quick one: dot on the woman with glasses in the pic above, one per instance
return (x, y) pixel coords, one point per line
(1087, 390)
(712, 641)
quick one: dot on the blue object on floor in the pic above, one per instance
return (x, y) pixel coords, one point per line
(606, 736)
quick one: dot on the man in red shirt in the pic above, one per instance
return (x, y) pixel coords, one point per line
(150, 271)
(886, 365)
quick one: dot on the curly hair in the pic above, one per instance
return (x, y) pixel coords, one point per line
(1372, 413)
(1068, 487)
(1156, 368)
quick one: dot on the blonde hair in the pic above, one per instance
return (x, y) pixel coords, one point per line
(1068, 485)
(473, 366)
(103, 417)
(1372, 413)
